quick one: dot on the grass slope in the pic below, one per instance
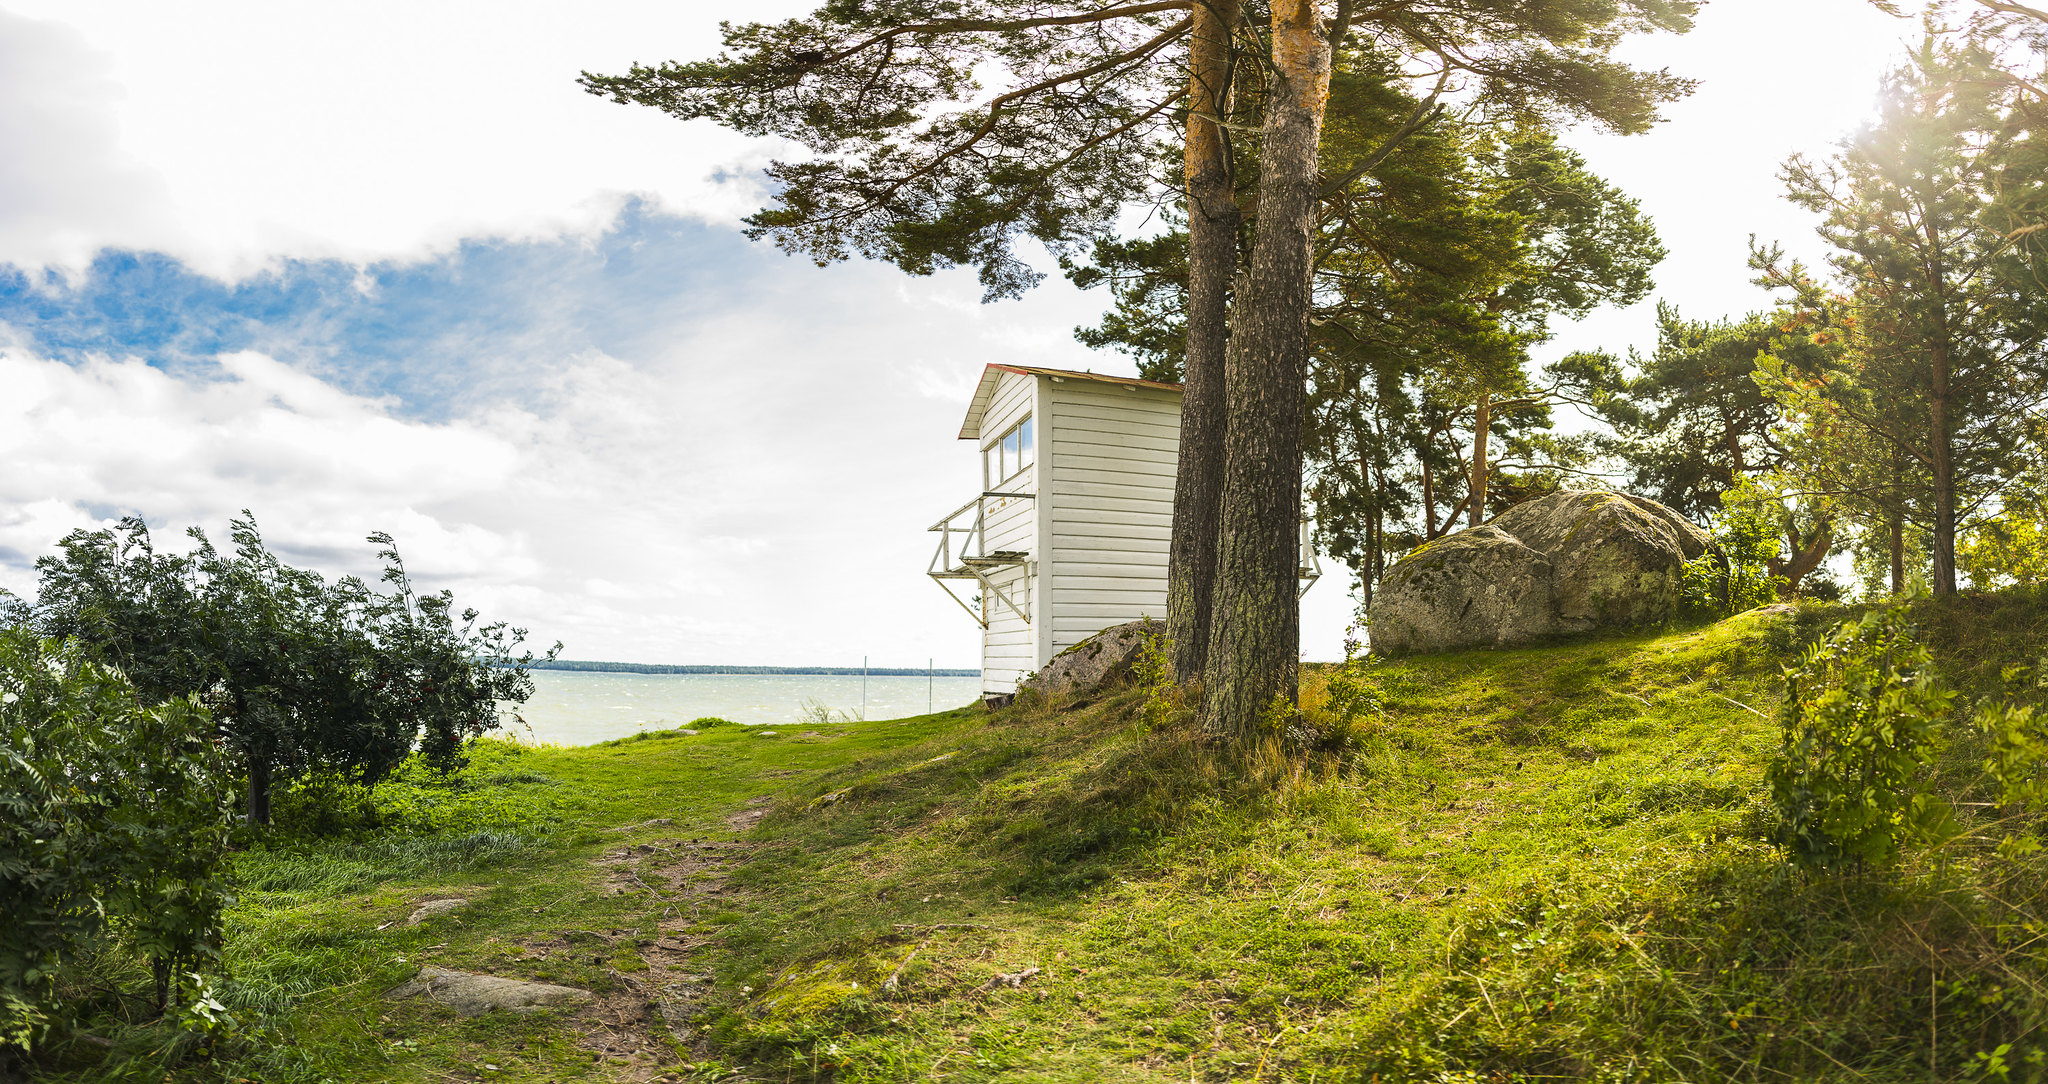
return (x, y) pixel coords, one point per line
(1521, 865)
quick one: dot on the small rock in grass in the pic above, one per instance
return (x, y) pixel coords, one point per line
(474, 995)
(1011, 980)
(431, 908)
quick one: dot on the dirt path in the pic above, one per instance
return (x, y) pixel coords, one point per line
(638, 1025)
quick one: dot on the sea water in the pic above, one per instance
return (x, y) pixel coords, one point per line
(582, 707)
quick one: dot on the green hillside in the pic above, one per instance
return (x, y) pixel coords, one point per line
(1548, 863)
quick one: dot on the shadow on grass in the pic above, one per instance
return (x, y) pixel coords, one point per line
(1058, 797)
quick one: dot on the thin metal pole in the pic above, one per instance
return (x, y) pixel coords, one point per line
(927, 686)
(863, 687)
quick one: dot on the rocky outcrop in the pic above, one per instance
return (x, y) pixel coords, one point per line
(1480, 586)
(431, 908)
(1091, 662)
(1573, 561)
(473, 995)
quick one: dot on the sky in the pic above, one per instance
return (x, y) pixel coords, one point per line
(384, 266)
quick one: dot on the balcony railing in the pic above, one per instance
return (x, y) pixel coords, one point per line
(963, 554)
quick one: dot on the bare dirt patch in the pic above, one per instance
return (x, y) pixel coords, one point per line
(645, 1018)
(751, 815)
(677, 874)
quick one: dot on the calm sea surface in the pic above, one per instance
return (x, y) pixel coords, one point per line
(577, 707)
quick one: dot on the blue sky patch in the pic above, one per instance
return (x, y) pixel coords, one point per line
(439, 335)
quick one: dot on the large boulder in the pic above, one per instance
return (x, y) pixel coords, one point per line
(1569, 562)
(473, 995)
(1090, 663)
(1480, 586)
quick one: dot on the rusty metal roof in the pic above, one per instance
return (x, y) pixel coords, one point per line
(970, 429)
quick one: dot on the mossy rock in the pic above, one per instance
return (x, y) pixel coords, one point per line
(1573, 561)
(819, 986)
(1479, 586)
(1097, 661)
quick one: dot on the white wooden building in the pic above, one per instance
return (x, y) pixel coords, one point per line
(1069, 533)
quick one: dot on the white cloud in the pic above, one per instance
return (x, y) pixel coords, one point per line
(66, 185)
(88, 443)
(235, 132)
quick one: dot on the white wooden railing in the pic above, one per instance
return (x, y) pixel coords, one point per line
(963, 554)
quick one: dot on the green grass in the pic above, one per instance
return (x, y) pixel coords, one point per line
(1525, 865)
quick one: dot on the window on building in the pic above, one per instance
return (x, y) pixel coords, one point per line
(1007, 456)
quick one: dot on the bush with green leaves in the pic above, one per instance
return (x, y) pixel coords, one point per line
(1737, 578)
(1861, 721)
(2017, 766)
(303, 677)
(113, 835)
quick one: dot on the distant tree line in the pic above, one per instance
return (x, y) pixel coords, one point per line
(661, 668)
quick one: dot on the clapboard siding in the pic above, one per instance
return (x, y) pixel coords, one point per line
(1141, 449)
(1099, 468)
(1011, 523)
(1121, 497)
(1010, 646)
(1110, 455)
(1117, 412)
(1097, 528)
(1065, 519)
(1104, 548)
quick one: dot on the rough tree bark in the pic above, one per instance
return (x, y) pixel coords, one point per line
(1942, 453)
(1806, 553)
(1213, 221)
(1254, 654)
(1944, 475)
(259, 790)
(1481, 425)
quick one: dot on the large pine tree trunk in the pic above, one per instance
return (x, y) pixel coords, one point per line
(1482, 424)
(1213, 219)
(1941, 457)
(1943, 463)
(1256, 631)
(1895, 526)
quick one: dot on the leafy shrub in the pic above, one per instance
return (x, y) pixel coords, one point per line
(113, 831)
(492, 794)
(1738, 578)
(1707, 588)
(323, 803)
(1342, 703)
(1152, 666)
(2018, 766)
(1861, 720)
(304, 678)
(710, 722)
